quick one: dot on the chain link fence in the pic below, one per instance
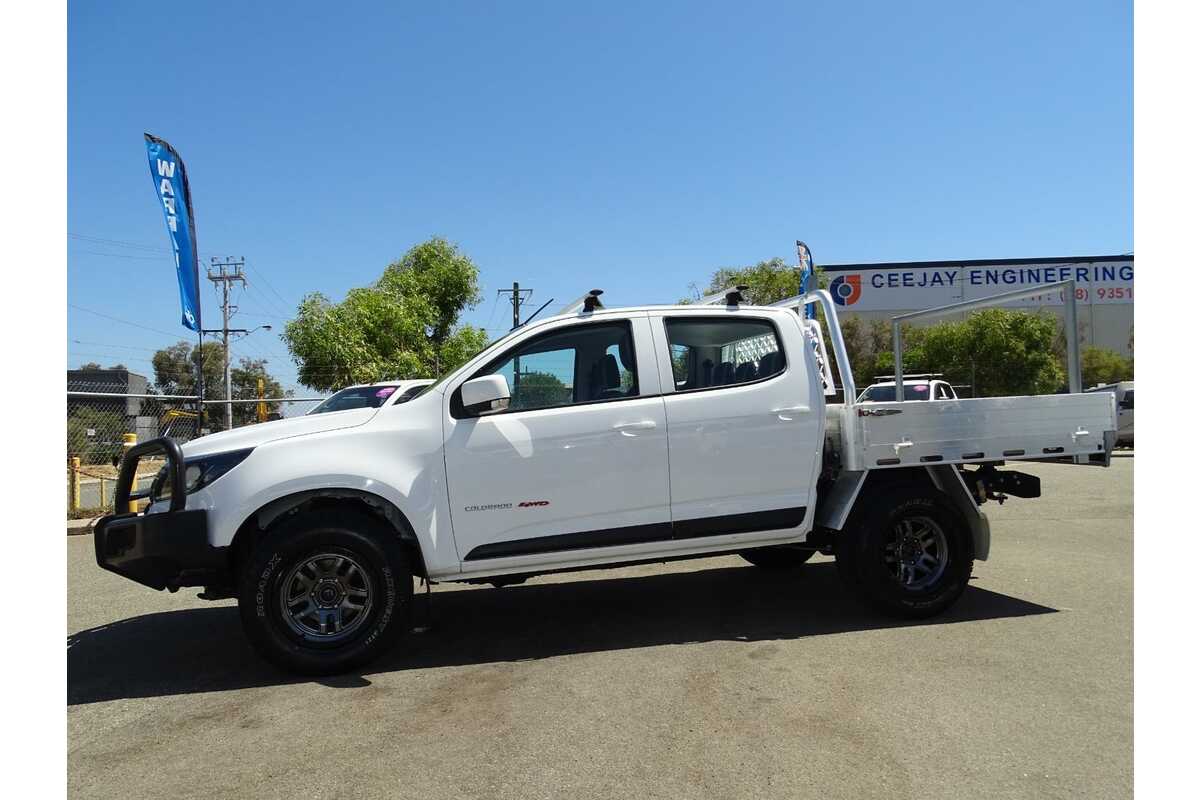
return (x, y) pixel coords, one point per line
(99, 422)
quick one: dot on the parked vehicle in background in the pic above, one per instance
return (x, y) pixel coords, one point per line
(1124, 394)
(371, 395)
(919, 387)
(595, 438)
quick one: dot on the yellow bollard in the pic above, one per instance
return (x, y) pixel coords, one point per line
(73, 483)
(130, 441)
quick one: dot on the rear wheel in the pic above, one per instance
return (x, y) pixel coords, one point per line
(909, 554)
(325, 592)
(782, 556)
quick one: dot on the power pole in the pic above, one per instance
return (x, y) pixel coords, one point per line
(519, 296)
(224, 273)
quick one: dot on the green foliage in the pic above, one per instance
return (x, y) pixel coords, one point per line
(404, 326)
(768, 281)
(869, 346)
(175, 369)
(99, 448)
(175, 373)
(1001, 352)
(1100, 365)
(244, 379)
(95, 365)
(540, 389)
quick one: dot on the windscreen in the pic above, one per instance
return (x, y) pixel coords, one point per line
(882, 393)
(355, 397)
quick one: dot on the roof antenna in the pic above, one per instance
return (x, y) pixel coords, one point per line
(734, 296)
(534, 314)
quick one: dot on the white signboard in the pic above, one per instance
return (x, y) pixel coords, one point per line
(903, 288)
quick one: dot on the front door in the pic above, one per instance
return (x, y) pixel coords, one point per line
(578, 460)
(745, 416)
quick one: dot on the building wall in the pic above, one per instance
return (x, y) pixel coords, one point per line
(116, 381)
(1104, 290)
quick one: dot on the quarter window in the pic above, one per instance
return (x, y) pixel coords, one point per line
(582, 364)
(708, 353)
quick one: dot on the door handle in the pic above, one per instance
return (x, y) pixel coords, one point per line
(627, 428)
(786, 414)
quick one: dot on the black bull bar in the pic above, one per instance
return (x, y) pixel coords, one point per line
(163, 550)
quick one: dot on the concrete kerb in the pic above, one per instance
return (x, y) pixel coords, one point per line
(77, 527)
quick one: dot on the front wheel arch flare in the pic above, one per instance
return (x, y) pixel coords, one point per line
(275, 512)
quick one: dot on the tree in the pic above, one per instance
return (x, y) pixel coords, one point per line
(404, 326)
(1000, 351)
(175, 374)
(540, 389)
(94, 434)
(767, 281)
(869, 347)
(175, 369)
(244, 379)
(91, 365)
(1100, 365)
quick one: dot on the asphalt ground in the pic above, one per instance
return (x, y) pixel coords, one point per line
(708, 678)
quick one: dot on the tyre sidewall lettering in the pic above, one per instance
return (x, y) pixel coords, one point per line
(389, 605)
(263, 579)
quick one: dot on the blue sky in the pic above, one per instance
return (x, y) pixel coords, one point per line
(631, 147)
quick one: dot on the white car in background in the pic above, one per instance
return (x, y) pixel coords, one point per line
(921, 387)
(372, 395)
(1124, 394)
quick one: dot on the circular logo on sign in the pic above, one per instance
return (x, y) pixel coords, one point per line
(846, 289)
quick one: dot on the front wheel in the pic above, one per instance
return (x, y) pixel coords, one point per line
(325, 592)
(910, 554)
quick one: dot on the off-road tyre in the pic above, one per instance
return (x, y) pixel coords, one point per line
(782, 556)
(307, 548)
(872, 533)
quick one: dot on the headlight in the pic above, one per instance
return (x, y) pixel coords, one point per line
(198, 472)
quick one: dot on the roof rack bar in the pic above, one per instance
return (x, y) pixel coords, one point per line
(729, 296)
(585, 304)
(912, 375)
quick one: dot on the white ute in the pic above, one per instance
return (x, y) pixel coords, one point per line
(595, 438)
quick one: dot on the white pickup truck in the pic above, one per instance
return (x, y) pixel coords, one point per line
(595, 438)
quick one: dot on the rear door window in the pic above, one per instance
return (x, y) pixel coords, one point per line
(710, 353)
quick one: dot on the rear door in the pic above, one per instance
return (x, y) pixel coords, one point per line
(579, 459)
(745, 420)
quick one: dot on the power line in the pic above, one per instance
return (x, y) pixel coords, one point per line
(152, 249)
(269, 286)
(122, 255)
(117, 243)
(122, 321)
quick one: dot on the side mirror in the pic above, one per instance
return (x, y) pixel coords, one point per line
(482, 395)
